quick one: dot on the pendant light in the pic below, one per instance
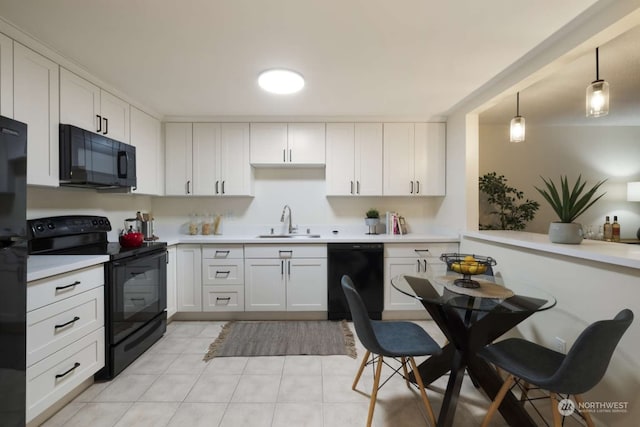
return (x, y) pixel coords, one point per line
(516, 133)
(597, 95)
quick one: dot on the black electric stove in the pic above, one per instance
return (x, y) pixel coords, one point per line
(135, 284)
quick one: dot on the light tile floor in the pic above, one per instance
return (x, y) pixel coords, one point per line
(171, 386)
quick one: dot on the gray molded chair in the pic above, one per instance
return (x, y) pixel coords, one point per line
(402, 340)
(572, 374)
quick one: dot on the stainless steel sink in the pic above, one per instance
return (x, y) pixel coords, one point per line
(288, 236)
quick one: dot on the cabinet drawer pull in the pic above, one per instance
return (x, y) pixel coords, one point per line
(62, 288)
(221, 254)
(290, 252)
(74, 320)
(223, 298)
(67, 372)
(220, 273)
(420, 250)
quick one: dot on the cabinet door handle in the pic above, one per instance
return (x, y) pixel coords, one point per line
(284, 154)
(425, 264)
(216, 187)
(222, 187)
(358, 187)
(411, 187)
(67, 372)
(289, 268)
(351, 187)
(74, 320)
(99, 123)
(418, 266)
(417, 187)
(106, 125)
(71, 285)
(282, 268)
(290, 158)
(189, 187)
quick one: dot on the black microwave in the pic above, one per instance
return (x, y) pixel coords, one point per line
(94, 161)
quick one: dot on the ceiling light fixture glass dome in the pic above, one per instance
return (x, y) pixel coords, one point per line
(281, 81)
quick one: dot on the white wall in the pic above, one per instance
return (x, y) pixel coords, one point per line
(304, 190)
(595, 152)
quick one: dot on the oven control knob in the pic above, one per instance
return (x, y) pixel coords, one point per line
(40, 227)
(51, 226)
(100, 221)
(94, 222)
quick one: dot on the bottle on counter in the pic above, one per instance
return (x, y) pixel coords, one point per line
(193, 224)
(615, 230)
(607, 230)
(206, 224)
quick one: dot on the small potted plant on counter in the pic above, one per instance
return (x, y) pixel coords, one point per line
(568, 205)
(372, 219)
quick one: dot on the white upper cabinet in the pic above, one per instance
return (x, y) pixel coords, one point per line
(35, 102)
(414, 159)
(208, 159)
(293, 144)
(6, 76)
(86, 106)
(354, 159)
(178, 163)
(145, 136)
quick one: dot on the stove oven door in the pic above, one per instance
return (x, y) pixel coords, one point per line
(137, 294)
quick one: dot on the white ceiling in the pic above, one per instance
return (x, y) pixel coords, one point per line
(560, 98)
(360, 58)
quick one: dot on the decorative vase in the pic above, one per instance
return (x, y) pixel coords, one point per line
(372, 223)
(567, 233)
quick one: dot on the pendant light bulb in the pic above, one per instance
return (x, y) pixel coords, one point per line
(517, 128)
(597, 100)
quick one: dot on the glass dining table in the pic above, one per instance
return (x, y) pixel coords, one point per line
(470, 318)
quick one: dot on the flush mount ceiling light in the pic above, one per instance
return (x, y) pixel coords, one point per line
(516, 131)
(597, 95)
(281, 81)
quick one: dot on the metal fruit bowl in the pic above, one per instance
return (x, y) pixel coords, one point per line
(467, 265)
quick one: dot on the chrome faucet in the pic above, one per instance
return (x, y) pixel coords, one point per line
(291, 229)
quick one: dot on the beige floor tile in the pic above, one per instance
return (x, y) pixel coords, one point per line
(62, 416)
(300, 388)
(146, 414)
(249, 415)
(302, 365)
(257, 389)
(187, 329)
(104, 414)
(127, 388)
(337, 389)
(92, 392)
(211, 330)
(226, 365)
(187, 363)
(264, 365)
(298, 415)
(340, 365)
(345, 414)
(171, 345)
(197, 345)
(170, 388)
(213, 388)
(198, 415)
(150, 363)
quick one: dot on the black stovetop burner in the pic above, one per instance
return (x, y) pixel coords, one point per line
(80, 235)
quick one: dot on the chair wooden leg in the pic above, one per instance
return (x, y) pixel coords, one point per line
(406, 373)
(525, 391)
(555, 411)
(586, 415)
(374, 391)
(362, 365)
(423, 393)
(508, 382)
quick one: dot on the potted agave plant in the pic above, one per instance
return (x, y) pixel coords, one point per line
(372, 218)
(568, 204)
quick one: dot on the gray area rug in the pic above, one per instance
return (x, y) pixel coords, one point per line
(279, 338)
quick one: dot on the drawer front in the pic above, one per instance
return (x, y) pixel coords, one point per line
(52, 378)
(223, 298)
(55, 326)
(56, 288)
(220, 272)
(286, 251)
(223, 252)
(430, 251)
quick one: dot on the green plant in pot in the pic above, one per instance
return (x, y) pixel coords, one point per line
(372, 218)
(568, 203)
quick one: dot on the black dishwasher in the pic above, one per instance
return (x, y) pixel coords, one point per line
(364, 263)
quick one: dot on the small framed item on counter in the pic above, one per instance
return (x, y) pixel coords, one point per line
(402, 225)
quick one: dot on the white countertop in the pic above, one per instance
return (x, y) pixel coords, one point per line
(41, 266)
(626, 255)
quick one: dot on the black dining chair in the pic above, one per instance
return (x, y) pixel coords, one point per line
(396, 339)
(572, 374)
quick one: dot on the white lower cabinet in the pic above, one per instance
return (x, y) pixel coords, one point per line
(410, 258)
(65, 335)
(189, 288)
(172, 271)
(223, 278)
(286, 277)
